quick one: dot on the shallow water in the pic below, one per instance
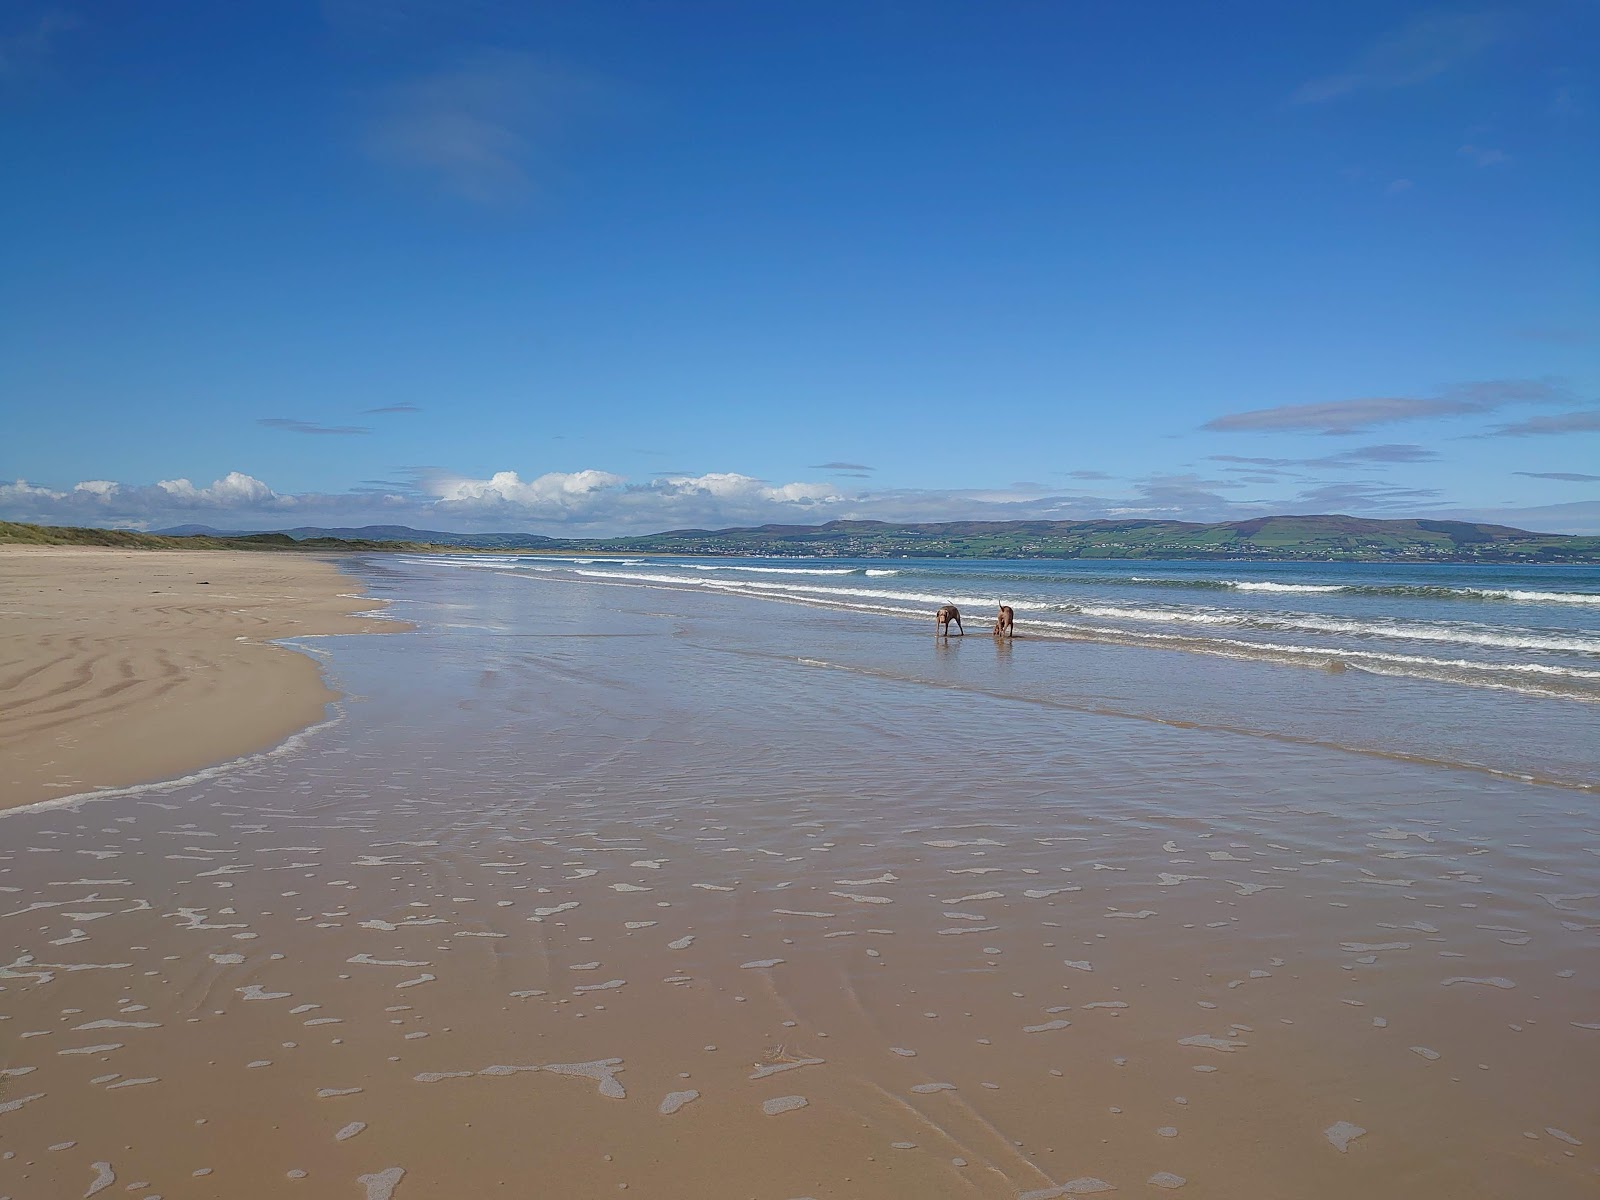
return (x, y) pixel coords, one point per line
(1529, 629)
(574, 852)
(1497, 667)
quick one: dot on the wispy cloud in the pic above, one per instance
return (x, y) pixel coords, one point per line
(1087, 475)
(26, 51)
(484, 128)
(1422, 49)
(1561, 335)
(1483, 156)
(293, 426)
(1583, 421)
(840, 466)
(393, 408)
(1566, 476)
(1367, 497)
(1358, 457)
(1579, 516)
(1358, 416)
(1388, 453)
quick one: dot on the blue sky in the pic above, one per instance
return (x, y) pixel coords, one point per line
(606, 267)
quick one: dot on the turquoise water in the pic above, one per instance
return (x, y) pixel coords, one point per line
(1497, 667)
(1531, 629)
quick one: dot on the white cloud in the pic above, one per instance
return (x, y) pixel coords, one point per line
(595, 503)
(103, 501)
(233, 490)
(554, 491)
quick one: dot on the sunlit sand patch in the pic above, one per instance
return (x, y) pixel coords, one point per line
(256, 992)
(8, 1106)
(1086, 1186)
(783, 1104)
(1341, 1133)
(104, 1178)
(380, 1185)
(951, 844)
(674, 1101)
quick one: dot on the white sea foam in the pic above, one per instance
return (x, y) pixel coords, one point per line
(1247, 585)
(1460, 633)
(768, 570)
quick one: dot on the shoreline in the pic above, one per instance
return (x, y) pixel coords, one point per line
(130, 667)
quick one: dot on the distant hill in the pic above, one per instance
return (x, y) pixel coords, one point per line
(1312, 538)
(1317, 538)
(13, 533)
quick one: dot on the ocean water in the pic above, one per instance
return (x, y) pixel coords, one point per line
(1491, 667)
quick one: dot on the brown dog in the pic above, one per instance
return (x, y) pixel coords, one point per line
(1003, 622)
(942, 619)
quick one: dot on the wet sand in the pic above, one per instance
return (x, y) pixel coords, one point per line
(126, 666)
(596, 891)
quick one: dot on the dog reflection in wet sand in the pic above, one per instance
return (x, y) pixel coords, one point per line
(943, 618)
(1002, 622)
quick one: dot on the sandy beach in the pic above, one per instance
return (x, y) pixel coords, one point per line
(596, 890)
(128, 666)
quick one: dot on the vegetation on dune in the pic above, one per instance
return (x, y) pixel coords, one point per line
(15, 534)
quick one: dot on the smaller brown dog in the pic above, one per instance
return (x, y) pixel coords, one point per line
(1003, 622)
(942, 619)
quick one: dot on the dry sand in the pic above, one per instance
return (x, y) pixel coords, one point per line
(127, 666)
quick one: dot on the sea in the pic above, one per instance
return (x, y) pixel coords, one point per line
(1486, 667)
